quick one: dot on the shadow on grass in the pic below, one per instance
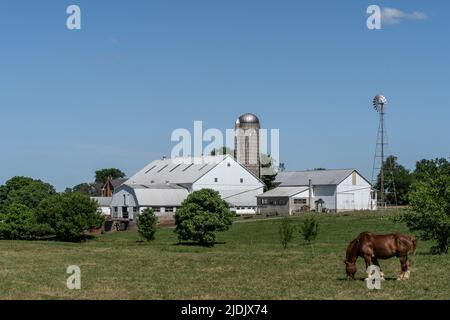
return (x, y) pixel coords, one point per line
(195, 244)
(82, 239)
(345, 279)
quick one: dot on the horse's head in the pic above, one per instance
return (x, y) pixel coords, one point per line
(350, 268)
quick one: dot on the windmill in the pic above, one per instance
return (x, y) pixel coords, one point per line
(379, 104)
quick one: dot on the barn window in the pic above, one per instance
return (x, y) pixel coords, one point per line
(157, 209)
(299, 201)
(190, 165)
(242, 180)
(124, 199)
(216, 180)
(135, 209)
(264, 201)
(150, 169)
(175, 167)
(116, 209)
(169, 209)
(163, 168)
(354, 178)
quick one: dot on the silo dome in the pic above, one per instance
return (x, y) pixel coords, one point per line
(248, 118)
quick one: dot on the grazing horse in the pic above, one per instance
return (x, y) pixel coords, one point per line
(372, 247)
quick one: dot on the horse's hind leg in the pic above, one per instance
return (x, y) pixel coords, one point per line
(404, 275)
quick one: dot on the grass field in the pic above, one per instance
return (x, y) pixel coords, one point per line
(247, 263)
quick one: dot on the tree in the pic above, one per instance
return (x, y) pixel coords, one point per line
(286, 232)
(201, 215)
(101, 176)
(15, 183)
(429, 198)
(146, 224)
(429, 168)
(309, 229)
(70, 215)
(17, 222)
(398, 181)
(268, 173)
(222, 151)
(89, 189)
(25, 191)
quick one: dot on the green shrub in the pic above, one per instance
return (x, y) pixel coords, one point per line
(286, 232)
(146, 224)
(309, 229)
(429, 198)
(201, 215)
(70, 215)
(17, 222)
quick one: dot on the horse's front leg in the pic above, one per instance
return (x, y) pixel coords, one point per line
(375, 261)
(368, 261)
(404, 275)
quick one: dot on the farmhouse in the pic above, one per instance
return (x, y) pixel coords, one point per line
(318, 190)
(164, 184)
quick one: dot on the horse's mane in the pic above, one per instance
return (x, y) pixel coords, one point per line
(352, 249)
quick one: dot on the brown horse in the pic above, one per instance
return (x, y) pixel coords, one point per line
(372, 247)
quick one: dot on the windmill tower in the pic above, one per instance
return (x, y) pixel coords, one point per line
(379, 169)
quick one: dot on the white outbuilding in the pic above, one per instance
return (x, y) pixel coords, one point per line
(164, 184)
(104, 205)
(331, 190)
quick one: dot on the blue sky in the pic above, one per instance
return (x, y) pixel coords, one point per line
(111, 94)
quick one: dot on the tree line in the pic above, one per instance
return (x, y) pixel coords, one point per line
(399, 180)
(32, 209)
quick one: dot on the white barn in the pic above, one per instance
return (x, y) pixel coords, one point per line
(164, 184)
(334, 190)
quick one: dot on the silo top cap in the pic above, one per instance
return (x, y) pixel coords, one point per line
(248, 118)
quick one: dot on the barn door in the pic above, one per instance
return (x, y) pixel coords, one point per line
(347, 201)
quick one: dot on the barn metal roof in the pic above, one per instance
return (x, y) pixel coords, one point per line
(175, 171)
(318, 177)
(240, 198)
(284, 192)
(118, 182)
(179, 170)
(160, 197)
(102, 201)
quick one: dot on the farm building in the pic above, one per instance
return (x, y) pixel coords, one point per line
(110, 185)
(164, 184)
(318, 190)
(104, 205)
